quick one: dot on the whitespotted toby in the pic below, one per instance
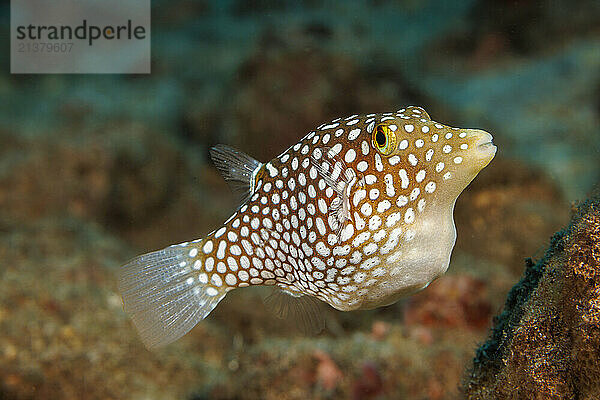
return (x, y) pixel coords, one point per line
(356, 214)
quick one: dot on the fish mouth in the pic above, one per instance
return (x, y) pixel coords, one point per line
(484, 144)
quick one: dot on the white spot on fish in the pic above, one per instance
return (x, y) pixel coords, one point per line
(378, 163)
(354, 133)
(389, 185)
(350, 155)
(430, 187)
(272, 170)
(403, 178)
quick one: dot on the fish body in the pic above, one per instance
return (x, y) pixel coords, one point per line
(357, 214)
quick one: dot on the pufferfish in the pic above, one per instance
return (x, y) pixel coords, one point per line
(357, 214)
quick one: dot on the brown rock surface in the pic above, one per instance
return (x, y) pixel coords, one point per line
(546, 342)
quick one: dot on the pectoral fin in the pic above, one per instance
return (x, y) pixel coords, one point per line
(341, 179)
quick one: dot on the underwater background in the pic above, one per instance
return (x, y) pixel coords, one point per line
(95, 169)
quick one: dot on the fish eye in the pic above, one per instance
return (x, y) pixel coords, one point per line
(380, 137)
(384, 139)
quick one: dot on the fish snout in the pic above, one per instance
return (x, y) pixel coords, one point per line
(483, 146)
(475, 151)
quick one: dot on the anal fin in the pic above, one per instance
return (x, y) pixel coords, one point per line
(304, 311)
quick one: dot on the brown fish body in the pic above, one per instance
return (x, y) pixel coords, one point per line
(357, 214)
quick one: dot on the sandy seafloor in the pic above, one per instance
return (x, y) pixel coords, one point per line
(96, 169)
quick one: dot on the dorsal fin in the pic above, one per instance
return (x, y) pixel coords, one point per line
(237, 168)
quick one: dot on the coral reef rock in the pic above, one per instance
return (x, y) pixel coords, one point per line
(546, 342)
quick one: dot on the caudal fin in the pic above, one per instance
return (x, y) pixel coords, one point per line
(164, 296)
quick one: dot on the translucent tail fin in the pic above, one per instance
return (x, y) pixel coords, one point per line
(163, 295)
